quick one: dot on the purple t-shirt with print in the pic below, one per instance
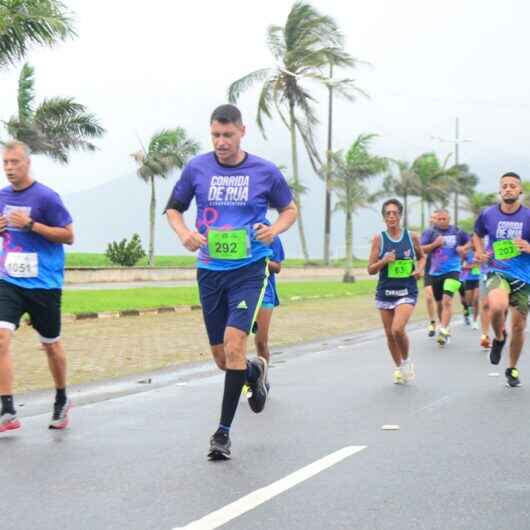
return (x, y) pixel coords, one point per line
(44, 206)
(497, 225)
(445, 259)
(231, 197)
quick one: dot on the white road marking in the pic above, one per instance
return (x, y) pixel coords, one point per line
(390, 427)
(254, 499)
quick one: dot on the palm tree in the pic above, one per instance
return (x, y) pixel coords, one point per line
(26, 22)
(351, 171)
(404, 185)
(431, 181)
(56, 126)
(300, 49)
(460, 182)
(168, 149)
(477, 201)
(526, 191)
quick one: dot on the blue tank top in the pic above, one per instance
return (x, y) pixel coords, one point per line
(389, 289)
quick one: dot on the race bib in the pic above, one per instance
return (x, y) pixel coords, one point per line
(505, 249)
(475, 271)
(22, 264)
(228, 244)
(401, 268)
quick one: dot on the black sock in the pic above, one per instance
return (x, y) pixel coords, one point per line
(8, 407)
(234, 381)
(252, 372)
(60, 396)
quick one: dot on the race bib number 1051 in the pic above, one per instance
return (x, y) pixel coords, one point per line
(22, 264)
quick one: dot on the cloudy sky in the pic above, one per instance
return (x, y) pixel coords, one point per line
(144, 66)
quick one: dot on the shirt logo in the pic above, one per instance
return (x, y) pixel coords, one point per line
(228, 191)
(242, 305)
(509, 230)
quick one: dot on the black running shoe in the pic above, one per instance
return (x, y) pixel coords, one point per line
(512, 377)
(219, 446)
(496, 349)
(257, 395)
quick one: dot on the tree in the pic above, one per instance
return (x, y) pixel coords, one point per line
(404, 185)
(125, 253)
(27, 22)
(300, 49)
(477, 201)
(168, 150)
(351, 171)
(526, 191)
(56, 126)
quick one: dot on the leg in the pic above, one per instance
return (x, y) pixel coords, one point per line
(218, 354)
(517, 336)
(56, 362)
(447, 310)
(262, 335)
(498, 300)
(6, 363)
(475, 298)
(387, 317)
(402, 314)
(429, 302)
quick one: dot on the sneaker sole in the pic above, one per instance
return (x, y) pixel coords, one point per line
(63, 424)
(217, 455)
(10, 426)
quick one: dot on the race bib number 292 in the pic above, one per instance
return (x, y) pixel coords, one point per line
(22, 264)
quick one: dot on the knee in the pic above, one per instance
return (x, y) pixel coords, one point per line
(235, 348)
(518, 327)
(5, 341)
(398, 332)
(52, 349)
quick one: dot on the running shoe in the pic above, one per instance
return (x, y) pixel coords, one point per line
(443, 337)
(257, 395)
(474, 325)
(60, 415)
(219, 446)
(407, 369)
(398, 377)
(431, 329)
(512, 377)
(9, 422)
(485, 343)
(496, 349)
(467, 320)
(245, 390)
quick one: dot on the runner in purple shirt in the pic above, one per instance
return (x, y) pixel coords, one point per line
(233, 190)
(34, 225)
(507, 226)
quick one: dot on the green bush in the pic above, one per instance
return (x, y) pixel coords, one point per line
(126, 254)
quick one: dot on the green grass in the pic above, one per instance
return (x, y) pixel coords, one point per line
(92, 259)
(149, 297)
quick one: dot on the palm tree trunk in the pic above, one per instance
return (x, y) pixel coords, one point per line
(348, 266)
(152, 210)
(327, 213)
(296, 179)
(456, 209)
(422, 213)
(406, 209)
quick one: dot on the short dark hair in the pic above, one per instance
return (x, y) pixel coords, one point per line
(227, 114)
(395, 202)
(512, 174)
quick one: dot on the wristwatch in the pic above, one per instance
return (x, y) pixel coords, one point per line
(28, 227)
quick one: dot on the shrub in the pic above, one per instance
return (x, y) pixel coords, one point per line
(126, 254)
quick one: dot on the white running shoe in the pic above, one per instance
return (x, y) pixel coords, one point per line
(407, 369)
(474, 325)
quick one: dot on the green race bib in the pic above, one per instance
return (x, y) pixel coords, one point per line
(475, 271)
(401, 268)
(505, 249)
(228, 244)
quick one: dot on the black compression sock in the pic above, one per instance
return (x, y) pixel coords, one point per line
(60, 395)
(8, 407)
(234, 381)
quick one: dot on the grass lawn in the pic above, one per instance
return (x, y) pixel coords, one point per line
(148, 297)
(92, 259)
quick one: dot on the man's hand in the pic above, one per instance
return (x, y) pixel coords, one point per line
(264, 233)
(418, 273)
(193, 241)
(481, 257)
(522, 245)
(18, 218)
(439, 241)
(3, 223)
(389, 256)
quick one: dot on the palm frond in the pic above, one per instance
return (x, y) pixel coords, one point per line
(26, 93)
(239, 86)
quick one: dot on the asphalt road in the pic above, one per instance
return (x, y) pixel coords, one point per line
(316, 458)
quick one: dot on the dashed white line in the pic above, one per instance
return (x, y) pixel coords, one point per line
(254, 499)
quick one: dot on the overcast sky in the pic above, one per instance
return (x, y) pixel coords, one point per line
(144, 66)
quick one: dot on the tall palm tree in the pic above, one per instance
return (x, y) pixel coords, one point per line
(27, 22)
(431, 181)
(405, 185)
(477, 200)
(351, 171)
(526, 191)
(347, 89)
(56, 126)
(168, 150)
(300, 49)
(461, 182)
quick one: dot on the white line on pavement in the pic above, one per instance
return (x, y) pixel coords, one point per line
(254, 499)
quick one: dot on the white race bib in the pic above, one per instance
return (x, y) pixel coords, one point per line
(22, 264)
